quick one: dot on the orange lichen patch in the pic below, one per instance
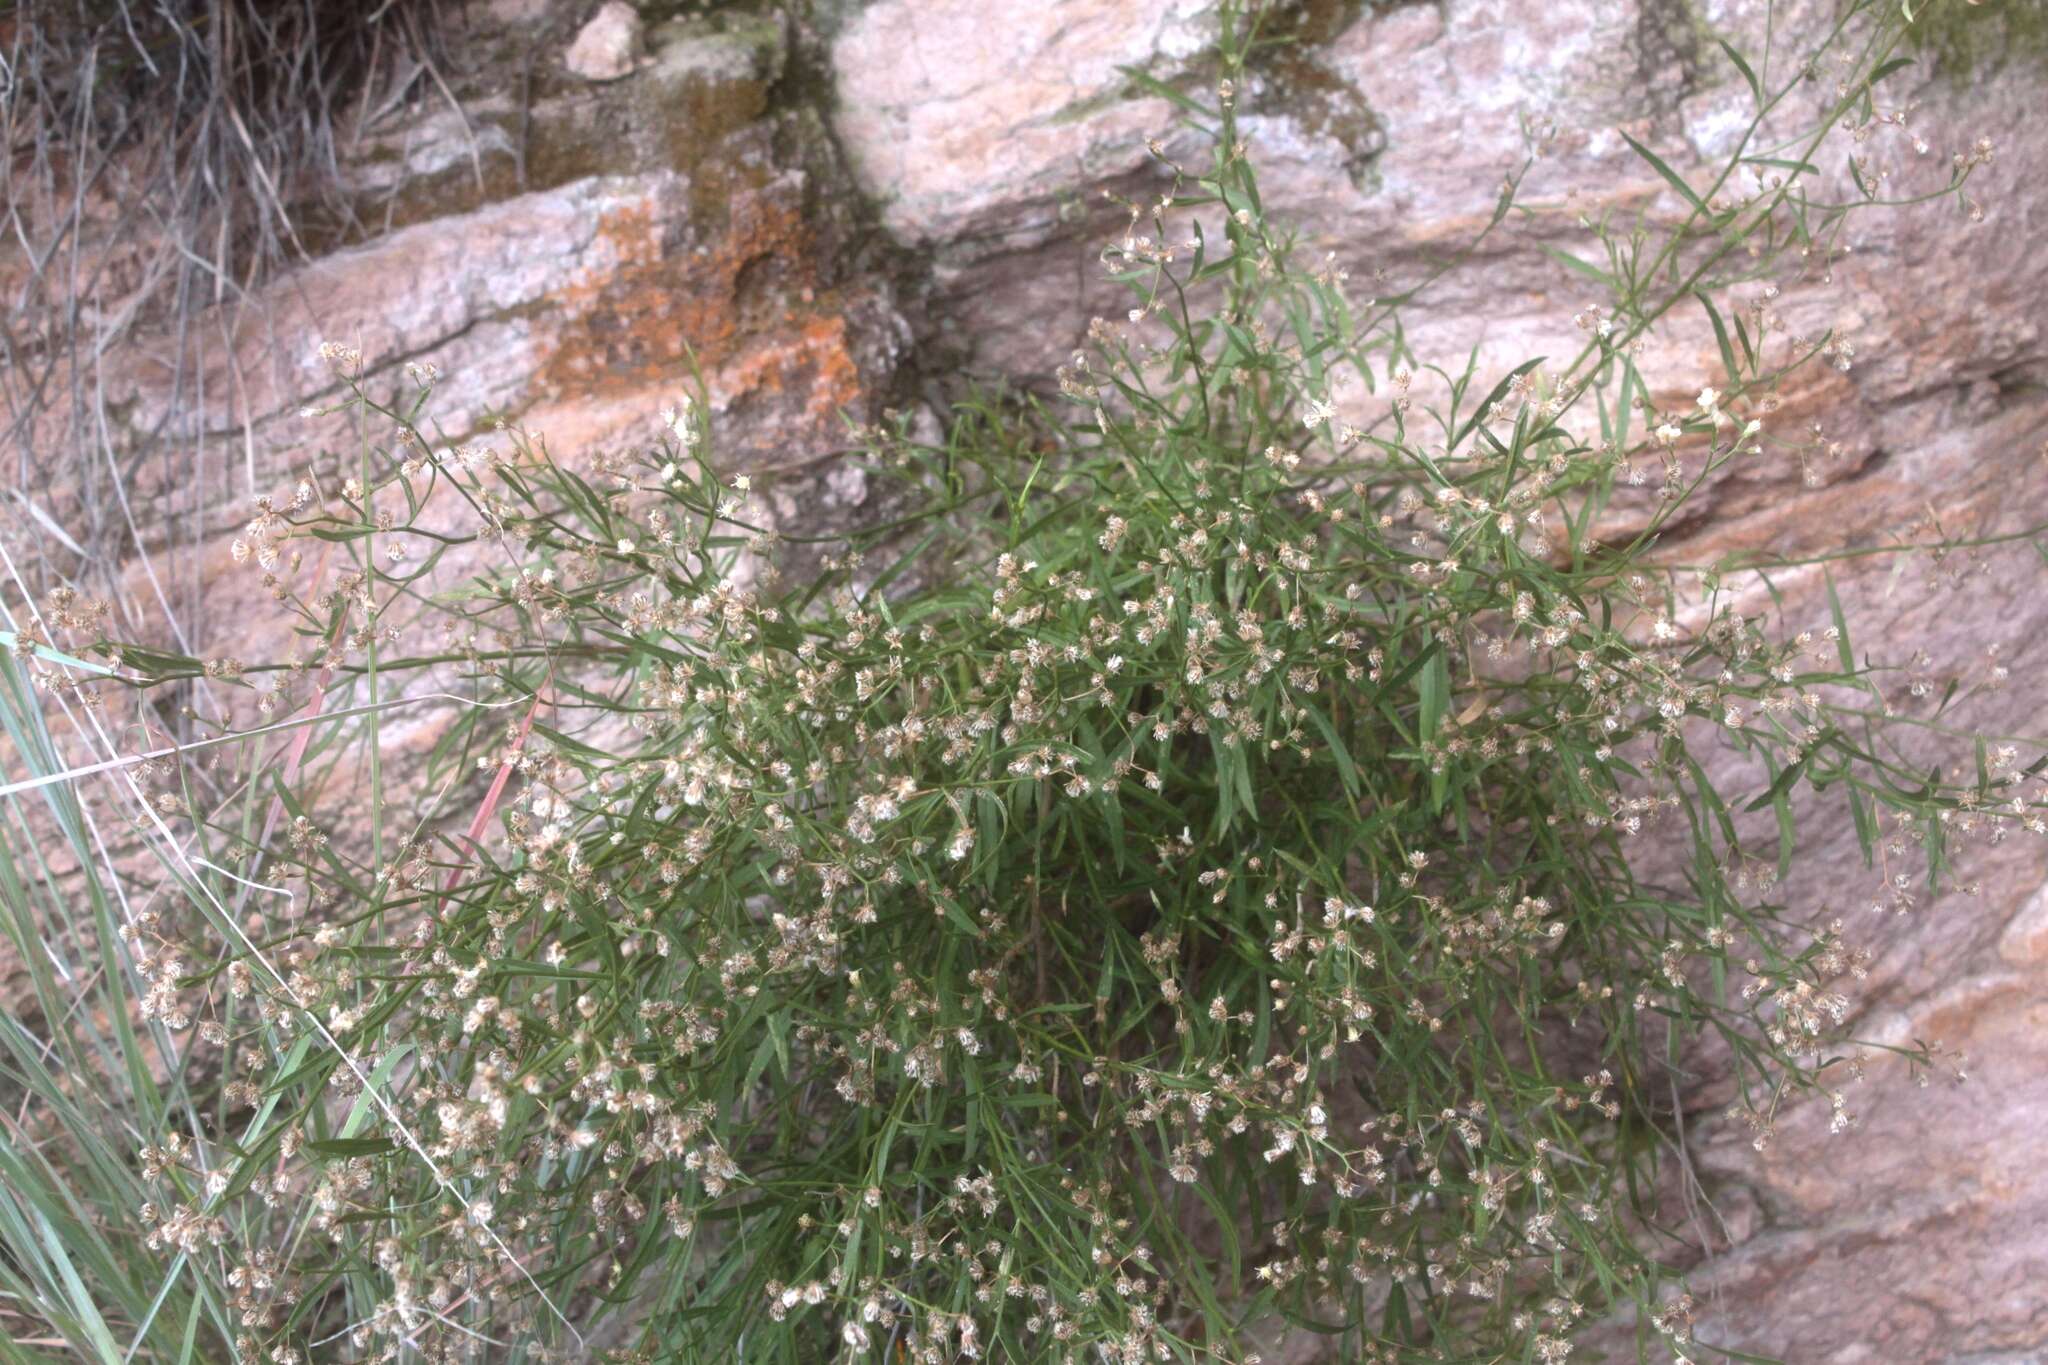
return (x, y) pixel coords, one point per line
(618, 319)
(815, 358)
(657, 302)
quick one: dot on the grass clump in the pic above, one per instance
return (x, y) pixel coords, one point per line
(1176, 882)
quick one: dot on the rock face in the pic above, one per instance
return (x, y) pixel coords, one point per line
(956, 124)
(768, 196)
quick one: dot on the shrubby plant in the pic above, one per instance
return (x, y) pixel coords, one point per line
(1176, 882)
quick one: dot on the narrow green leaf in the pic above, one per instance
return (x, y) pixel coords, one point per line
(1671, 177)
(1728, 365)
(351, 1147)
(1756, 90)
